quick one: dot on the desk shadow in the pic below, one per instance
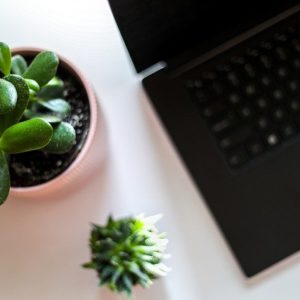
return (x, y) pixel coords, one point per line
(280, 267)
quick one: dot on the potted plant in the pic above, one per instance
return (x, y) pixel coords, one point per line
(128, 252)
(48, 120)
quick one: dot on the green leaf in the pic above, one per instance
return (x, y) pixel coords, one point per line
(53, 89)
(128, 284)
(50, 118)
(135, 269)
(29, 114)
(43, 68)
(26, 136)
(116, 275)
(4, 178)
(63, 139)
(89, 265)
(107, 272)
(33, 85)
(32, 95)
(59, 106)
(5, 59)
(18, 65)
(8, 96)
(15, 115)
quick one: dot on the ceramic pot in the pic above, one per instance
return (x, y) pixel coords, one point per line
(92, 152)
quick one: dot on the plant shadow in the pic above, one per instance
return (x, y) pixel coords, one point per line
(157, 292)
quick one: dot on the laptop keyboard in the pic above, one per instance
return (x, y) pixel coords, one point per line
(250, 98)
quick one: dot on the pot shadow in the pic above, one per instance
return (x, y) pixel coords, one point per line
(45, 241)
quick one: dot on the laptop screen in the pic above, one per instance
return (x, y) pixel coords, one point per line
(157, 30)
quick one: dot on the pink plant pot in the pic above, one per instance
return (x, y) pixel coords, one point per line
(92, 153)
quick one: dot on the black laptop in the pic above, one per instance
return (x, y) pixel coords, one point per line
(229, 97)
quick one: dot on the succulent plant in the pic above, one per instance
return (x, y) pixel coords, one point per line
(32, 110)
(127, 252)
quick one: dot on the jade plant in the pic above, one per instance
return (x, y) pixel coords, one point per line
(32, 109)
(127, 252)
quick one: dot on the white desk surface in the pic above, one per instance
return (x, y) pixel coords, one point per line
(43, 243)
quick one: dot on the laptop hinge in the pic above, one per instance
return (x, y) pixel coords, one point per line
(153, 69)
(176, 66)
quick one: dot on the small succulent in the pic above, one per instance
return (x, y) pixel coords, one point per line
(127, 252)
(32, 110)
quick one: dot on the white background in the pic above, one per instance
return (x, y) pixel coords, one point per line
(43, 242)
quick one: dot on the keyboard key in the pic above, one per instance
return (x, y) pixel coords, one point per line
(226, 143)
(194, 84)
(297, 48)
(253, 52)
(208, 112)
(296, 63)
(282, 72)
(224, 124)
(272, 139)
(237, 158)
(280, 37)
(237, 137)
(278, 94)
(267, 81)
(223, 68)
(255, 147)
(294, 106)
(295, 41)
(213, 110)
(249, 70)
(246, 112)
(296, 44)
(209, 75)
(291, 30)
(250, 90)
(288, 130)
(263, 123)
(267, 45)
(262, 103)
(233, 79)
(266, 62)
(278, 115)
(293, 86)
(201, 96)
(217, 88)
(281, 53)
(234, 98)
(238, 60)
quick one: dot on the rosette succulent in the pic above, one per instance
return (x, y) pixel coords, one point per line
(127, 252)
(32, 110)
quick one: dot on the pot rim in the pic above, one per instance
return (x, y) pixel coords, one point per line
(58, 180)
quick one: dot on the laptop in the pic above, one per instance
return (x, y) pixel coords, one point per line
(229, 98)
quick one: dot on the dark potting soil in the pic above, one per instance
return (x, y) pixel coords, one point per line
(37, 167)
